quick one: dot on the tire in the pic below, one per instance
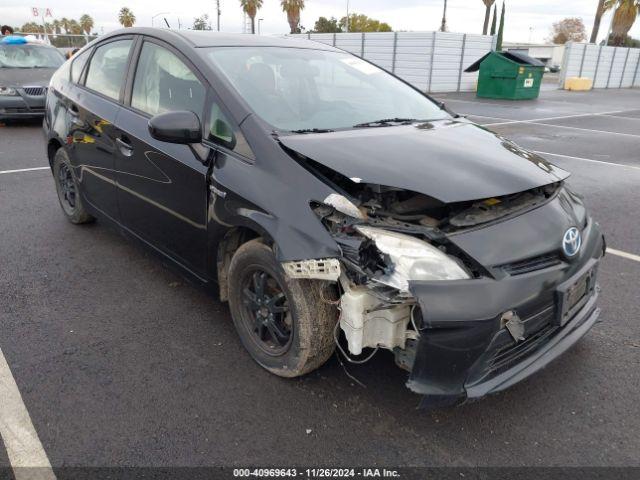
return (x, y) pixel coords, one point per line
(306, 316)
(67, 189)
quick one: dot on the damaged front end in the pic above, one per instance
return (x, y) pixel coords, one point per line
(409, 287)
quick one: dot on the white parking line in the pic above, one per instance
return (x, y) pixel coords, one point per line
(587, 160)
(24, 170)
(26, 455)
(486, 116)
(507, 121)
(533, 120)
(579, 128)
(624, 117)
(620, 253)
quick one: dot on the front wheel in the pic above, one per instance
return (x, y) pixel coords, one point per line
(67, 188)
(285, 324)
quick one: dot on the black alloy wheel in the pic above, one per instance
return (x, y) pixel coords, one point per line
(266, 312)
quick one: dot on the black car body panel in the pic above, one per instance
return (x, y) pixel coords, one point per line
(420, 157)
(465, 352)
(190, 203)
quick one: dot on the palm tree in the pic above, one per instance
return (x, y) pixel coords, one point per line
(31, 27)
(74, 27)
(251, 8)
(443, 26)
(126, 17)
(487, 15)
(596, 21)
(64, 23)
(86, 23)
(57, 25)
(623, 18)
(293, 9)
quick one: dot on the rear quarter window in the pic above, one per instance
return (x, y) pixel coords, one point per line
(78, 63)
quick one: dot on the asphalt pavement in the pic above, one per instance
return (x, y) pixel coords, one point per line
(121, 362)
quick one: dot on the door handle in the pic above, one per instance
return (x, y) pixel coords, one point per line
(74, 113)
(125, 147)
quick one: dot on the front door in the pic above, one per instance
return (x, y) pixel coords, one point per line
(162, 187)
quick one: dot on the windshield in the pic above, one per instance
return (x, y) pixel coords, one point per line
(29, 56)
(305, 90)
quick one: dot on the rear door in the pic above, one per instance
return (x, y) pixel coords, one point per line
(92, 111)
(162, 192)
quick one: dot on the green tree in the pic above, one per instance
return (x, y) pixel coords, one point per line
(32, 27)
(251, 7)
(500, 30)
(126, 17)
(487, 15)
(623, 19)
(57, 26)
(362, 23)
(86, 23)
(324, 25)
(202, 23)
(493, 22)
(293, 8)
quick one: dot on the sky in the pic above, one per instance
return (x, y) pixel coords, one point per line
(526, 20)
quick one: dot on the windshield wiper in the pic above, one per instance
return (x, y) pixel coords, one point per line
(386, 122)
(313, 130)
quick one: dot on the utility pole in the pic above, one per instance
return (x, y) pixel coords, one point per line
(218, 12)
(443, 27)
(347, 22)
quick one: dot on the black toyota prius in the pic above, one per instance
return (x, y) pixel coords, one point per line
(333, 206)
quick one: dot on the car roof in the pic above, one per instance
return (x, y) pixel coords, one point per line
(206, 38)
(27, 44)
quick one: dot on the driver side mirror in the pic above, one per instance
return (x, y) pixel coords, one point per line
(180, 127)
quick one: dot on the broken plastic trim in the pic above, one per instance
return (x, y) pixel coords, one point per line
(317, 269)
(343, 205)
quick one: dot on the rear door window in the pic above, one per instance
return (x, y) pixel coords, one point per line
(107, 68)
(78, 64)
(164, 83)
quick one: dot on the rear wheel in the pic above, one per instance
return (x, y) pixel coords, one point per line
(67, 188)
(285, 324)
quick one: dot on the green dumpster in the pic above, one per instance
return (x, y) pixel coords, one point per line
(508, 75)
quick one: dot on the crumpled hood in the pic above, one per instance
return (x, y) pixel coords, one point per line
(451, 161)
(19, 77)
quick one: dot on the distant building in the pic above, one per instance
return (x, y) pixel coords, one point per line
(550, 54)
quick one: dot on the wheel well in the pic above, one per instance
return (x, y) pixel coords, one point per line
(52, 148)
(232, 240)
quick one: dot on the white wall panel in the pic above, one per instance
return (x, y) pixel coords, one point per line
(431, 61)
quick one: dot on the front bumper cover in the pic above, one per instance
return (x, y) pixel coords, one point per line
(22, 105)
(464, 352)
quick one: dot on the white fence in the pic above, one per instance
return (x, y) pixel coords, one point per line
(608, 67)
(431, 61)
